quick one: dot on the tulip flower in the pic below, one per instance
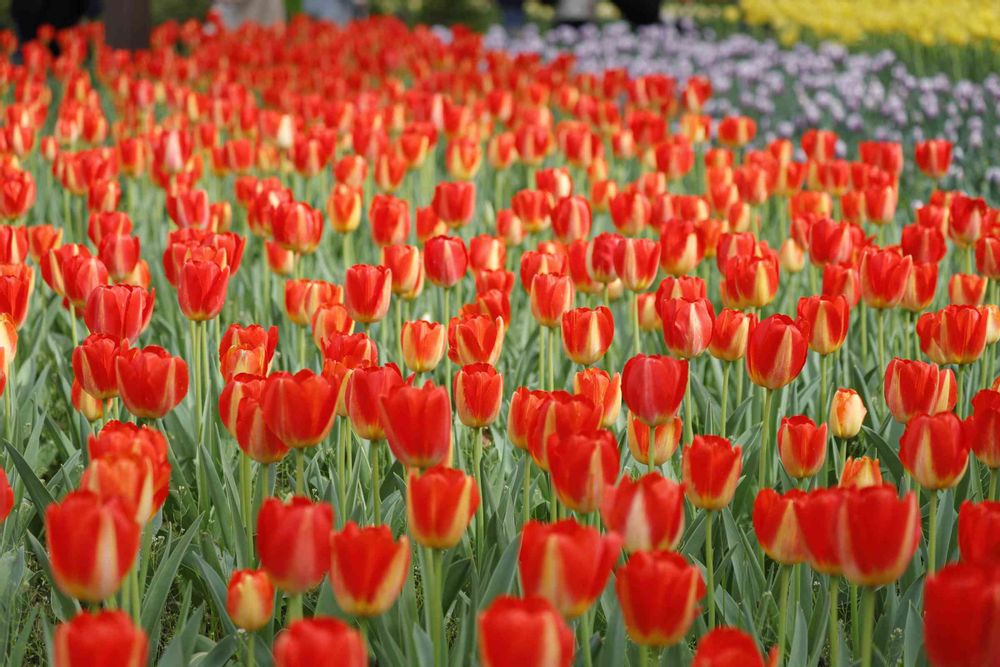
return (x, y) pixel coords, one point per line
(860, 473)
(960, 611)
(445, 261)
(824, 321)
(92, 543)
(475, 339)
(6, 496)
(583, 466)
(731, 647)
(367, 292)
(566, 563)
(983, 430)
(801, 446)
(528, 632)
(550, 296)
(94, 365)
(320, 642)
(201, 289)
(979, 532)
(367, 568)
(120, 311)
(440, 504)
(603, 391)
(106, 637)
(250, 599)
(299, 408)
(933, 157)
(658, 593)
(847, 413)
(915, 387)
(416, 421)
(151, 382)
(776, 352)
(293, 542)
(953, 335)
(653, 387)
(304, 297)
(478, 393)
(423, 345)
(648, 513)
(587, 334)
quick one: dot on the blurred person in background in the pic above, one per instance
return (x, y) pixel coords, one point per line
(338, 11)
(234, 13)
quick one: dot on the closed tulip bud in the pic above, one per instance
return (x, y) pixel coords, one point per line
(440, 504)
(711, 468)
(847, 413)
(603, 390)
(979, 532)
(920, 287)
(637, 262)
(566, 563)
(475, 339)
(877, 534)
(915, 387)
(445, 260)
(250, 599)
(666, 439)
(935, 450)
(925, 244)
(736, 131)
(860, 473)
(367, 568)
(601, 257)
(524, 632)
(367, 292)
(884, 274)
(389, 219)
(730, 333)
(454, 202)
(81, 275)
(966, 217)
(987, 256)
(801, 446)
(423, 345)
(658, 593)
(94, 365)
(329, 321)
(776, 352)
(106, 637)
(415, 421)
(42, 239)
(630, 212)
(487, 253)
(92, 542)
(731, 647)
(299, 408)
(824, 322)
(647, 513)
(559, 413)
(687, 326)
(777, 527)
(201, 289)
(550, 296)
(583, 466)
(478, 392)
(8, 343)
(954, 334)
(151, 382)
(984, 427)
(524, 404)
(293, 542)
(966, 289)
(140, 480)
(280, 262)
(681, 247)
(818, 513)
(653, 387)
(304, 297)
(242, 413)
(298, 227)
(407, 270)
(750, 282)
(571, 219)
(960, 612)
(587, 334)
(933, 157)
(343, 207)
(320, 642)
(120, 311)
(843, 279)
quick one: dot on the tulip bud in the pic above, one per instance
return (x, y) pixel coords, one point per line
(299, 408)
(524, 632)
(367, 568)
(311, 642)
(648, 513)
(367, 292)
(582, 466)
(847, 413)
(711, 468)
(960, 605)
(776, 352)
(293, 541)
(777, 527)
(151, 382)
(730, 647)
(667, 437)
(250, 599)
(587, 334)
(658, 593)
(915, 387)
(801, 446)
(423, 345)
(877, 534)
(603, 391)
(478, 391)
(99, 638)
(440, 504)
(934, 450)
(860, 473)
(653, 387)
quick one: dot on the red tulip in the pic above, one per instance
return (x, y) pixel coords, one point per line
(250, 599)
(884, 274)
(293, 541)
(984, 427)
(583, 466)
(925, 244)
(454, 202)
(750, 282)
(877, 534)
(824, 322)
(776, 352)
(445, 260)
(730, 334)
(201, 289)
(653, 387)
(571, 219)
(603, 391)
(687, 326)
(801, 446)
(961, 609)
(979, 532)
(297, 227)
(524, 404)
(844, 280)
(566, 563)
(92, 542)
(550, 295)
(847, 413)
(475, 339)
(711, 468)
(94, 365)
(860, 473)
(777, 527)
(527, 632)
(486, 253)
(966, 289)
(120, 311)
(478, 392)
(935, 450)
(915, 387)
(648, 513)
(681, 247)
(630, 212)
(304, 297)
(965, 220)
(658, 593)
(81, 274)
(416, 421)
(601, 257)
(953, 335)
(818, 513)
(99, 638)
(367, 291)
(933, 157)
(151, 382)
(407, 270)
(367, 568)
(423, 345)
(440, 504)
(587, 334)
(320, 642)
(730, 647)
(299, 408)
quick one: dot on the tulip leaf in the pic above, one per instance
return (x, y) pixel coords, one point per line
(220, 653)
(423, 648)
(502, 580)
(216, 589)
(40, 495)
(181, 647)
(612, 653)
(798, 655)
(913, 638)
(63, 606)
(885, 453)
(155, 598)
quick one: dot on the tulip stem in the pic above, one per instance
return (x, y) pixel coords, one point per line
(867, 621)
(553, 501)
(710, 568)
(765, 441)
(294, 609)
(824, 403)
(302, 346)
(477, 473)
(832, 622)
(880, 316)
(373, 457)
(586, 630)
(300, 471)
(347, 250)
(863, 315)
(526, 490)
(636, 341)
(432, 595)
(246, 504)
(650, 448)
(994, 476)
(726, 369)
(688, 415)
(783, 580)
(342, 469)
(932, 532)
(855, 630)
(552, 356)
(251, 644)
(643, 656)
(72, 325)
(541, 358)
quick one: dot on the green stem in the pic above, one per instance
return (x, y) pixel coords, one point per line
(651, 449)
(300, 471)
(688, 414)
(553, 501)
(477, 473)
(832, 625)
(294, 609)
(855, 619)
(880, 315)
(251, 645)
(710, 568)
(373, 456)
(643, 656)
(932, 533)
(246, 504)
(552, 356)
(432, 592)
(636, 341)
(863, 315)
(868, 621)
(994, 476)
(783, 581)
(727, 367)
(342, 468)
(586, 630)
(526, 490)
(765, 441)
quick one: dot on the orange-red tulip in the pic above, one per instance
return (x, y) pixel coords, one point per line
(250, 599)
(658, 593)
(528, 632)
(293, 542)
(711, 468)
(440, 504)
(877, 534)
(106, 637)
(367, 568)
(416, 421)
(648, 512)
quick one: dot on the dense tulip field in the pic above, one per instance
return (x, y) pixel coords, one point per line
(376, 345)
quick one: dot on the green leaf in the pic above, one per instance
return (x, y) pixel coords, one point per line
(155, 598)
(220, 653)
(40, 495)
(63, 606)
(180, 649)
(503, 576)
(913, 638)
(798, 655)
